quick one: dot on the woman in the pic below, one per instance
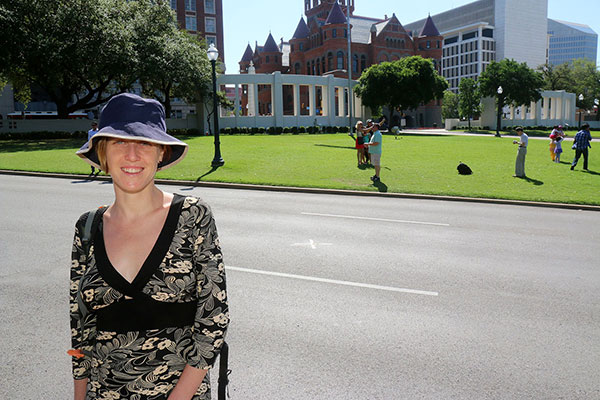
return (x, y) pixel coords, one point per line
(360, 148)
(152, 276)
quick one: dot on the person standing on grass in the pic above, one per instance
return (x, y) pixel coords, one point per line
(521, 153)
(557, 132)
(374, 147)
(581, 143)
(91, 133)
(558, 149)
(360, 143)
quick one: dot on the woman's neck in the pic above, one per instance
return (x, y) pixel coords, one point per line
(130, 206)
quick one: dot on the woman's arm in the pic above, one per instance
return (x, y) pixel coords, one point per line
(188, 383)
(81, 331)
(212, 315)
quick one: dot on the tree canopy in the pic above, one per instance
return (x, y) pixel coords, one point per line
(83, 52)
(402, 84)
(520, 84)
(469, 99)
(449, 105)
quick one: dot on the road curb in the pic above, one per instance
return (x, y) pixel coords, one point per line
(245, 186)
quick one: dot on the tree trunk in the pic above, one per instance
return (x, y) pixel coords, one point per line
(469, 119)
(62, 108)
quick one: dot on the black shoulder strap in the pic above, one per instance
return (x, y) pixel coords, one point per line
(223, 372)
(85, 242)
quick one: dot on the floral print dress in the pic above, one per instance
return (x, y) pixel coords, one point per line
(128, 357)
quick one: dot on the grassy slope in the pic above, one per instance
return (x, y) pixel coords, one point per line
(410, 164)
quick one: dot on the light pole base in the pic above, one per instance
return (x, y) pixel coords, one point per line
(217, 162)
(498, 134)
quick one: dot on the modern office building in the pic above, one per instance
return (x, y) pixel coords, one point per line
(477, 33)
(202, 17)
(570, 41)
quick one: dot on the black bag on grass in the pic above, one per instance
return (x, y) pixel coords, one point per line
(464, 169)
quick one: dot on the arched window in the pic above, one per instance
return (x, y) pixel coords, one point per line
(363, 63)
(329, 61)
(318, 67)
(297, 68)
(355, 63)
(308, 68)
(312, 67)
(323, 64)
(340, 60)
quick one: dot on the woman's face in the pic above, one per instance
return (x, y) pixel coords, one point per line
(132, 163)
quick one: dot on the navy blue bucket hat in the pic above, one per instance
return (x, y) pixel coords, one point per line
(131, 117)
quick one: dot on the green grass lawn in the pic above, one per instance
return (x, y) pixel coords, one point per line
(410, 164)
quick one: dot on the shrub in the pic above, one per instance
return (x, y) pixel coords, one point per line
(302, 130)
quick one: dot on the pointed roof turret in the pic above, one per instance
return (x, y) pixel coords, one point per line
(248, 54)
(429, 29)
(302, 30)
(270, 45)
(336, 15)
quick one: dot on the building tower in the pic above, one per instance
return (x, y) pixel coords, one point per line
(320, 8)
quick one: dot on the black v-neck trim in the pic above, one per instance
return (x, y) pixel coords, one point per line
(152, 262)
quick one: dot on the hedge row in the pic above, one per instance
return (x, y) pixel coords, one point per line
(46, 135)
(294, 130)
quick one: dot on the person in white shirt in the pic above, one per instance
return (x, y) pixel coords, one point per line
(521, 153)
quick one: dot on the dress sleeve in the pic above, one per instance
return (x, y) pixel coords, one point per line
(82, 329)
(212, 315)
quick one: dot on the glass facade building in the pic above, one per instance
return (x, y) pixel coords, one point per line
(569, 41)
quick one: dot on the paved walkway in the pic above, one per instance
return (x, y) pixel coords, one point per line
(461, 133)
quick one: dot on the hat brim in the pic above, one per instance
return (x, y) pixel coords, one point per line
(127, 131)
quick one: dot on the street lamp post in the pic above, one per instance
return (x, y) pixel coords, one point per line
(580, 110)
(499, 116)
(213, 54)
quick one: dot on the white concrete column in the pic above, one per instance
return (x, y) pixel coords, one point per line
(340, 102)
(296, 99)
(559, 108)
(277, 99)
(236, 104)
(312, 93)
(330, 89)
(546, 109)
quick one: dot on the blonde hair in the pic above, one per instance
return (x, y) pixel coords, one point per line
(102, 142)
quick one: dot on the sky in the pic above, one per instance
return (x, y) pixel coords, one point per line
(247, 21)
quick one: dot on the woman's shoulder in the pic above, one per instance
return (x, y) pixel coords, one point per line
(84, 217)
(193, 202)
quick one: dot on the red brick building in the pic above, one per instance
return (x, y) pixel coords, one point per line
(202, 17)
(319, 45)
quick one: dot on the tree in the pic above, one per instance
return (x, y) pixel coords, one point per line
(556, 77)
(402, 84)
(177, 67)
(578, 77)
(586, 81)
(469, 99)
(81, 52)
(449, 105)
(520, 84)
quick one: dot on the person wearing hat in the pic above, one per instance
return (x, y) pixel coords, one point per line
(521, 153)
(148, 296)
(91, 133)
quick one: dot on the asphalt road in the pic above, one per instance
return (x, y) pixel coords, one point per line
(341, 297)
